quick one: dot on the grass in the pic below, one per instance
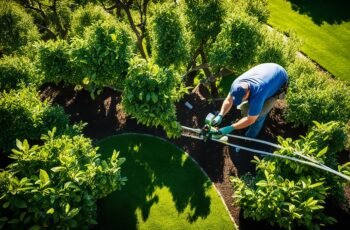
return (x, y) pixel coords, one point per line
(165, 189)
(324, 28)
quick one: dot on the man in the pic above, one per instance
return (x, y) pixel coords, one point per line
(254, 92)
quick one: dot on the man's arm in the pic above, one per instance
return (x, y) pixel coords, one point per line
(245, 122)
(226, 105)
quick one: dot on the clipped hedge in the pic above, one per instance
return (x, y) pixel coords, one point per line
(17, 27)
(16, 72)
(313, 95)
(150, 93)
(56, 184)
(23, 115)
(102, 55)
(85, 16)
(276, 48)
(55, 64)
(236, 45)
(168, 36)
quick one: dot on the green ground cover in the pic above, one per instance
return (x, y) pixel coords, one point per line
(324, 28)
(165, 189)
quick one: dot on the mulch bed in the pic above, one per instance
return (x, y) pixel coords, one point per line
(105, 117)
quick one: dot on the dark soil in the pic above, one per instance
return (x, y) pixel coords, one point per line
(105, 117)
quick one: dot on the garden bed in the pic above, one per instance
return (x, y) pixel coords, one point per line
(105, 117)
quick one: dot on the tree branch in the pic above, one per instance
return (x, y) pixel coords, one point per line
(126, 8)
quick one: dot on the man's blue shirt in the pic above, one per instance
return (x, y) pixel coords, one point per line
(264, 81)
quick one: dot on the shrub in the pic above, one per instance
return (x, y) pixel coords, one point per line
(55, 64)
(85, 16)
(291, 194)
(276, 48)
(150, 93)
(204, 19)
(17, 27)
(103, 54)
(236, 45)
(317, 97)
(16, 71)
(300, 66)
(23, 115)
(256, 8)
(169, 42)
(56, 184)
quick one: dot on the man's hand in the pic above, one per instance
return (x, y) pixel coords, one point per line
(217, 120)
(226, 130)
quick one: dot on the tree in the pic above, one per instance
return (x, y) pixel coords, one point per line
(52, 17)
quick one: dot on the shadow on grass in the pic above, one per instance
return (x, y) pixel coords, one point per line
(152, 164)
(330, 11)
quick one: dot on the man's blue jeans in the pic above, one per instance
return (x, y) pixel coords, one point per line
(255, 128)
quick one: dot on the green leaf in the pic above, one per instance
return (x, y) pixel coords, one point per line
(6, 204)
(154, 97)
(316, 185)
(3, 219)
(19, 203)
(58, 169)
(67, 208)
(73, 212)
(86, 80)
(262, 183)
(50, 211)
(148, 97)
(44, 178)
(19, 144)
(35, 227)
(322, 152)
(13, 221)
(114, 37)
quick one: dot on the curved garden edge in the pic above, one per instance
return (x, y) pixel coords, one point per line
(180, 150)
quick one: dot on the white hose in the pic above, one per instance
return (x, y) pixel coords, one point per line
(316, 164)
(263, 142)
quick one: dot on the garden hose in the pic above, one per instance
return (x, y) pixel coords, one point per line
(311, 162)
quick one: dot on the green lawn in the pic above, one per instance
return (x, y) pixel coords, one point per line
(165, 189)
(322, 25)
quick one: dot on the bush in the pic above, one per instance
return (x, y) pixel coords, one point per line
(276, 48)
(204, 19)
(55, 64)
(103, 55)
(169, 42)
(17, 27)
(85, 16)
(56, 184)
(236, 45)
(291, 194)
(300, 66)
(317, 97)
(150, 93)
(23, 115)
(255, 8)
(16, 71)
